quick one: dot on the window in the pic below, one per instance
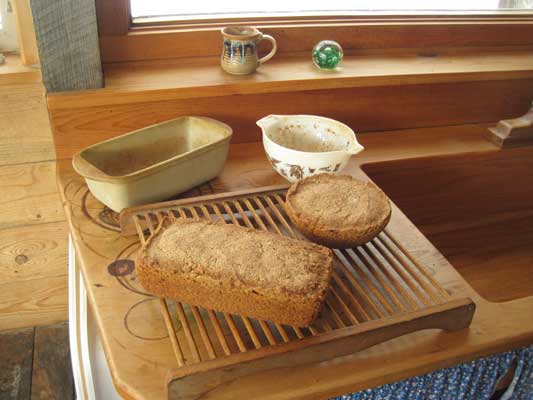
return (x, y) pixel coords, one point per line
(160, 29)
(159, 10)
(8, 34)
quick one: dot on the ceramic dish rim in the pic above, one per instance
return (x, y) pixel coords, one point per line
(154, 168)
(310, 153)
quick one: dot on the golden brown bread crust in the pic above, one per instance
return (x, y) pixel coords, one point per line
(237, 270)
(337, 211)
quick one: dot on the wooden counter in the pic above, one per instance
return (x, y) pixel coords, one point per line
(134, 335)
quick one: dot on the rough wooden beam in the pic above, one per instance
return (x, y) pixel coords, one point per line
(67, 38)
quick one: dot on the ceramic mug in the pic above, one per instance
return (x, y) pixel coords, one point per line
(239, 54)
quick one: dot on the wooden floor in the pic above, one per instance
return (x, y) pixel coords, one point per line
(35, 364)
(33, 232)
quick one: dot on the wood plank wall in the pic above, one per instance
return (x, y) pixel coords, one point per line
(33, 232)
(363, 108)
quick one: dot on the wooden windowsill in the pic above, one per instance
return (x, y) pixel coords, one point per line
(13, 71)
(202, 77)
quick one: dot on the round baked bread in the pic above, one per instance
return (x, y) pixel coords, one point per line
(337, 210)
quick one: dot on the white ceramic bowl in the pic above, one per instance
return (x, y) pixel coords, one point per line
(299, 146)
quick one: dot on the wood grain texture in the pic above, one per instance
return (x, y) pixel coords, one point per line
(51, 375)
(26, 33)
(515, 132)
(171, 42)
(364, 109)
(33, 252)
(140, 371)
(199, 381)
(67, 38)
(203, 77)
(113, 17)
(476, 209)
(33, 235)
(194, 380)
(14, 72)
(16, 353)
(29, 195)
(34, 302)
(25, 134)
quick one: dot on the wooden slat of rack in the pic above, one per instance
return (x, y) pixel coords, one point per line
(160, 216)
(416, 274)
(270, 337)
(251, 332)
(261, 224)
(250, 225)
(218, 330)
(343, 289)
(196, 380)
(260, 221)
(218, 213)
(228, 211)
(139, 229)
(229, 319)
(335, 276)
(203, 332)
(276, 229)
(336, 317)
(236, 222)
(406, 277)
(256, 217)
(267, 215)
(404, 253)
(235, 332)
(387, 296)
(313, 330)
(247, 221)
(172, 332)
(148, 220)
(212, 315)
(362, 294)
(365, 285)
(325, 324)
(282, 332)
(371, 258)
(386, 285)
(188, 332)
(351, 316)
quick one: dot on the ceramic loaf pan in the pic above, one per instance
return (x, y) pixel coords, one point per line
(154, 163)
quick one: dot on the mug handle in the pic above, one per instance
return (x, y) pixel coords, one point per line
(272, 52)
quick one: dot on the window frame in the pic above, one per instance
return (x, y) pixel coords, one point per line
(122, 40)
(8, 30)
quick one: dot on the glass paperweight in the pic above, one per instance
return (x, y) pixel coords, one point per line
(327, 54)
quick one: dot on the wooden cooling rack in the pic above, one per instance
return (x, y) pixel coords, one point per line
(378, 291)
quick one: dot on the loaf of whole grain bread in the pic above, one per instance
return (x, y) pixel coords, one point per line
(237, 270)
(337, 211)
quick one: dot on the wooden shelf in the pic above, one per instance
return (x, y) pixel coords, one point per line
(202, 77)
